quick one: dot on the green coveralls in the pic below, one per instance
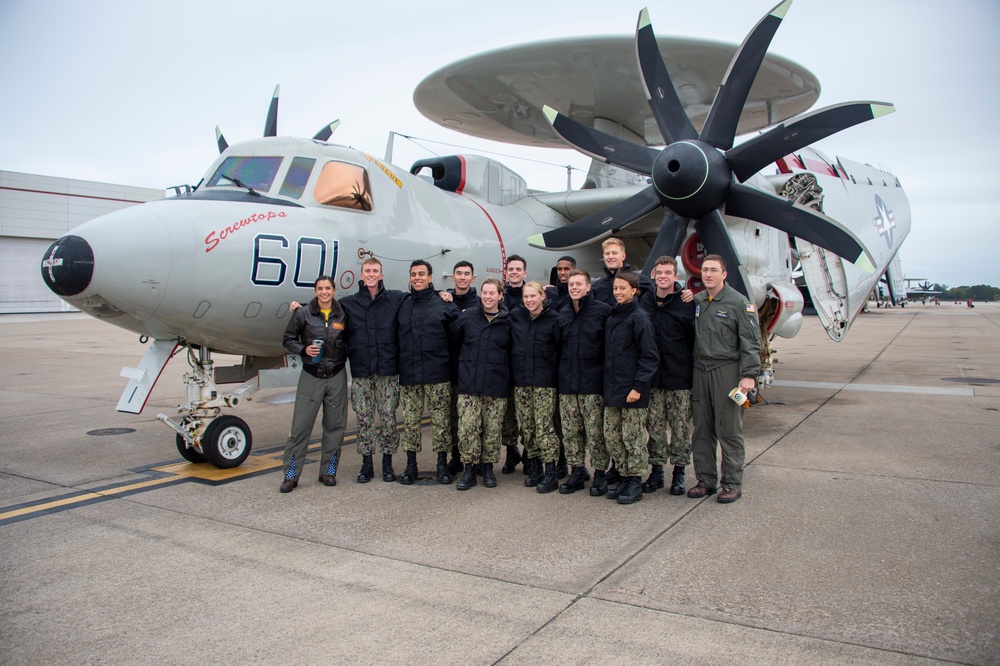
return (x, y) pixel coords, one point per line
(726, 349)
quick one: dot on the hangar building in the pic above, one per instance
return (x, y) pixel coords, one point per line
(36, 210)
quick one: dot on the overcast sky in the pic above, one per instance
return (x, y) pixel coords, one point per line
(130, 92)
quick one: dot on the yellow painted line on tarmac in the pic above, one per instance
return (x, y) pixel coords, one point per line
(209, 472)
(76, 499)
(177, 472)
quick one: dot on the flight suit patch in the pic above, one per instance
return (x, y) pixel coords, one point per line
(724, 314)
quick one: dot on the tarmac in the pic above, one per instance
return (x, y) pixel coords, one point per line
(868, 533)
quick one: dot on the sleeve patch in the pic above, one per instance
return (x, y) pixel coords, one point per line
(750, 308)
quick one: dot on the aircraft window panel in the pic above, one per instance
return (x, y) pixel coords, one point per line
(344, 185)
(297, 177)
(255, 172)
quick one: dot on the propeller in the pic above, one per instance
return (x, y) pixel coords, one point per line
(270, 124)
(697, 177)
(325, 133)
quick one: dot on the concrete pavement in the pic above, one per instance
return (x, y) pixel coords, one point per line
(868, 533)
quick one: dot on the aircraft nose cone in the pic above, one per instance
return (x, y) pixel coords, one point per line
(68, 266)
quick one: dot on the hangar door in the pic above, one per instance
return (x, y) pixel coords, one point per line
(21, 285)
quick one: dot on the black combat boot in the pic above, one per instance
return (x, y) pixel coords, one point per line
(577, 481)
(489, 478)
(535, 472)
(455, 466)
(388, 473)
(410, 473)
(550, 480)
(677, 483)
(561, 470)
(655, 480)
(511, 460)
(632, 492)
(614, 491)
(613, 475)
(443, 475)
(600, 485)
(468, 477)
(366, 473)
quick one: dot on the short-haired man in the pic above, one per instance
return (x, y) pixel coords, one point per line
(614, 263)
(424, 369)
(464, 292)
(726, 355)
(465, 296)
(373, 351)
(557, 293)
(515, 271)
(581, 385)
(669, 417)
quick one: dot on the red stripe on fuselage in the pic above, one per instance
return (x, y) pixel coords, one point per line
(503, 250)
(461, 183)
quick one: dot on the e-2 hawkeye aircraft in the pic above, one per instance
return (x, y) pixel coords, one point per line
(213, 269)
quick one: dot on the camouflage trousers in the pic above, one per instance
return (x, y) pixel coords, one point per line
(583, 430)
(509, 430)
(669, 412)
(479, 428)
(438, 398)
(625, 436)
(375, 399)
(536, 407)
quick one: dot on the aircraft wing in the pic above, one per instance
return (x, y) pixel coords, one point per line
(577, 204)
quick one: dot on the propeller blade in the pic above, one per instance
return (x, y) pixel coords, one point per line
(720, 126)
(601, 145)
(711, 228)
(599, 225)
(667, 109)
(668, 240)
(325, 133)
(271, 124)
(799, 221)
(748, 158)
(221, 140)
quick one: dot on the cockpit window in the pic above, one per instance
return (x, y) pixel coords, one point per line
(255, 172)
(297, 177)
(344, 185)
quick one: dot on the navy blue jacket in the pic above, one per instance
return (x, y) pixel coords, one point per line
(484, 359)
(535, 347)
(602, 289)
(423, 337)
(630, 356)
(467, 300)
(581, 360)
(673, 326)
(372, 331)
(512, 296)
(308, 324)
(557, 295)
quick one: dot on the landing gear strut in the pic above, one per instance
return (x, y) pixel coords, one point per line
(203, 434)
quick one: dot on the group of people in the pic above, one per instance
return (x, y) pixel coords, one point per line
(617, 368)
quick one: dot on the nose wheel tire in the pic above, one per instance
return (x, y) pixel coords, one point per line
(227, 442)
(188, 453)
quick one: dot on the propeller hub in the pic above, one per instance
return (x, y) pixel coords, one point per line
(691, 178)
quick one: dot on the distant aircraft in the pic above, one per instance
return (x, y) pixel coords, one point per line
(214, 268)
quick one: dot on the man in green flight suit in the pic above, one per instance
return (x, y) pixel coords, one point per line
(726, 354)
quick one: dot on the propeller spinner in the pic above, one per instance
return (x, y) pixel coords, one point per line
(698, 176)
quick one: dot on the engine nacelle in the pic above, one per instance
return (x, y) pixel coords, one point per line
(476, 175)
(786, 302)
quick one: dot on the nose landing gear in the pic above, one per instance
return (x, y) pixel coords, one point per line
(203, 433)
